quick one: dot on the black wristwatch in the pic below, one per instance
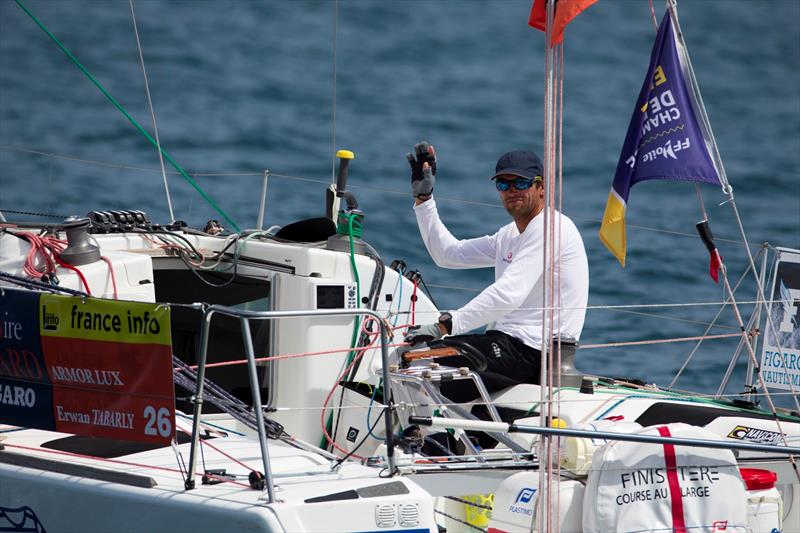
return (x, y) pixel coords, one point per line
(446, 319)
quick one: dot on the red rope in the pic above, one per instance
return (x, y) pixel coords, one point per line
(291, 356)
(235, 460)
(330, 394)
(414, 302)
(111, 272)
(305, 354)
(43, 251)
(78, 272)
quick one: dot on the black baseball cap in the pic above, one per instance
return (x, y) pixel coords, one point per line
(519, 163)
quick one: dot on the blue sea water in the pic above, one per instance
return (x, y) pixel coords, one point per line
(243, 86)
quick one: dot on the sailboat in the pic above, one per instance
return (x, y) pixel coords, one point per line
(285, 336)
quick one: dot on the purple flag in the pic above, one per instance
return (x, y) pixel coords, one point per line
(665, 140)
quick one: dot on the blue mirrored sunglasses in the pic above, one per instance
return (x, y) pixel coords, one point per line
(520, 184)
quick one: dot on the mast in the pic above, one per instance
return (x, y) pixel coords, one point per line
(550, 148)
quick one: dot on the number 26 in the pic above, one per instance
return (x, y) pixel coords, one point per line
(162, 420)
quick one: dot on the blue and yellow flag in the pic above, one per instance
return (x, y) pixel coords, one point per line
(665, 140)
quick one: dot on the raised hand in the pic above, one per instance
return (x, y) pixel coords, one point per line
(423, 170)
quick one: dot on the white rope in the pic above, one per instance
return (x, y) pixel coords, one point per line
(713, 321)
(152, 112)
(675, 319)
(653, 14)
(610, 395)
(612, 307)
(260, 174)
(660, 341)
(333, 117)
(728, 191)
(560, 154)
(767, 395)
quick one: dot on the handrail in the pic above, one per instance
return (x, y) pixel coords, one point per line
(502, 427)
(244, 317)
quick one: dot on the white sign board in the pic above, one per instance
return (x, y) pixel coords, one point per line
(783, 372)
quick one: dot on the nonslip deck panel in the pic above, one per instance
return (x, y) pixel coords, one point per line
(69, 469)
(395, 488)
(696, 415)
(103, 447)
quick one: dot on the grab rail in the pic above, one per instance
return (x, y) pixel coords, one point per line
(244, 318)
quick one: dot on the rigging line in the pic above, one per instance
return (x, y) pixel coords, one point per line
(700, 199)
(748, 380)
(118, 461)
(453, 518)
(728, 191)
(668, 394)
(152, 112)
(660, 341)
(14, 148)
(333, 117)
(769, 323)
(546, 393)
(713, 321)
(560, 210)
(653, 14)
(34, 214)
(621, 306)
(127, 115)
(454, 287)
(752, 337)
(363, 187)
(760, 376)
(675, 319)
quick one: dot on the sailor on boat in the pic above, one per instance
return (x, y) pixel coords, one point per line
(511, 306)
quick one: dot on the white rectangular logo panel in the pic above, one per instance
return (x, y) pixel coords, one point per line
(780, 356)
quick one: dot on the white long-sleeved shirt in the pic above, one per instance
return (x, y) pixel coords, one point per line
(513, 302)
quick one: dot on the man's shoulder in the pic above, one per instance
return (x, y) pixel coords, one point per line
(567, 223)
(508, 231)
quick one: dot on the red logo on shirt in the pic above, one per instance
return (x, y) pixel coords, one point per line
(508, 257)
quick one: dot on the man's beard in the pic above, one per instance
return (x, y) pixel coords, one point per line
(516, 211)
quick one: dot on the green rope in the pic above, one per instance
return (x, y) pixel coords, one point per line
(351, 219)
(116, 104)
(350, 224)
(346, 227)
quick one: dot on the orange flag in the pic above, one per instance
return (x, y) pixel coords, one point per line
(566, 10)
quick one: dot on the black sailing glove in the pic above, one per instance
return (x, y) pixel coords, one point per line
(422, 179)
(426, 333)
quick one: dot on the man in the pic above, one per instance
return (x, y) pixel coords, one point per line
(512, 346)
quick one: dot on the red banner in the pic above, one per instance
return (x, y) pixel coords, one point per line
(109, 389)
(86, 366)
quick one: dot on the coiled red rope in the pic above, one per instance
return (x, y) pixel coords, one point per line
(43, 259)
